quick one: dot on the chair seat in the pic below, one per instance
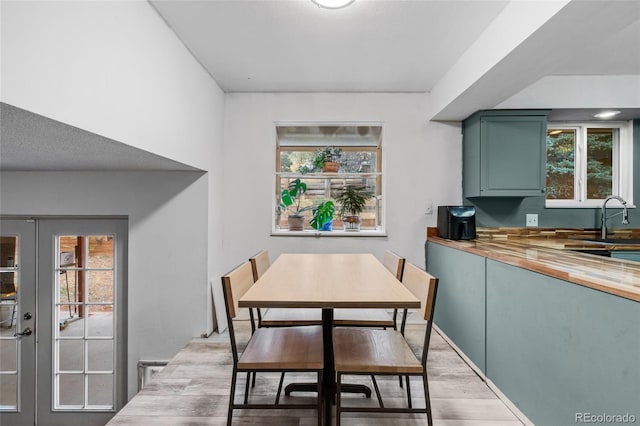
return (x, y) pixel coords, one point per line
(362, 350)
(290, 348)
(288, 317)
(362, 318)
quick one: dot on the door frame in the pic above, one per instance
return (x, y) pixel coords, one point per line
(43, 299)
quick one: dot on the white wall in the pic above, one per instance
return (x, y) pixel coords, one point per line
(167, 282)
(113, 68)
(422, 163)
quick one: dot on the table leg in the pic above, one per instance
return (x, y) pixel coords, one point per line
(328, 381)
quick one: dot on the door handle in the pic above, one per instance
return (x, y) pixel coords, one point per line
(27, 332)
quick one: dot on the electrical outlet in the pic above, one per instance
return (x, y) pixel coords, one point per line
(428, 209)
(532, 220)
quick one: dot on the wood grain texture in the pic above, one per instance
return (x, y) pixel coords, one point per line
(193, 389)
(554, 257)
(373, 351)
(394, 263)
(260, 263)
(236, 283)
(328, 281)
(294, 348)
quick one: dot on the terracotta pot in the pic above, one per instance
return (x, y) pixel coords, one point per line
(296, 222)
(351, 223)
(331, 167)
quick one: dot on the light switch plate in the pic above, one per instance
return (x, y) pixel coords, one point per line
(532, 220)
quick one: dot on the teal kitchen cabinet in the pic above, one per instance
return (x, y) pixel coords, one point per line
(627, 255)
(504, 153)
(460, 308)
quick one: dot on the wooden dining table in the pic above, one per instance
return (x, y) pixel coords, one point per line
(328, 281)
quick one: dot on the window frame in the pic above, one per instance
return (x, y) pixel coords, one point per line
(622, 166)
(380, 230)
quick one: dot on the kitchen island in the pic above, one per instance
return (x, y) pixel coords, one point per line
(556, 331)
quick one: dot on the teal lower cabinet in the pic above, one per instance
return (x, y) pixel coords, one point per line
(460, 305)
(627, 255)
(559, 350)
(564, 354)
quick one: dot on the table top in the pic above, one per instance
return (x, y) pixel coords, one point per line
(328, 281)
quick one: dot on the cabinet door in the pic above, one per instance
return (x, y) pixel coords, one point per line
(627, 255)
(512, 156)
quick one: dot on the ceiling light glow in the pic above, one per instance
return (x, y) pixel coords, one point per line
(606, 114)
(333, 4)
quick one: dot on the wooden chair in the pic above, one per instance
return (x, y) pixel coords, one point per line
(281, 317)
(373, 317)
(363, 351)
(270, 349)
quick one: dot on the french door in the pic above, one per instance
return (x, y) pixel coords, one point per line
(62, 351)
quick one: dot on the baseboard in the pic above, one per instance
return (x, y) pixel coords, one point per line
(501, 396)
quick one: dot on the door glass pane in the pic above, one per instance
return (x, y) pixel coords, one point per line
(100, 355)
(100, 321)
(71, 357)
(560, 164)
(8, 391)
(100, 286)
(70, 390)
(9, 344)
(85, 306)
(100, 390)
(100, 251)
(599, 163)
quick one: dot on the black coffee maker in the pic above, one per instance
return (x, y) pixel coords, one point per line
(457, 222)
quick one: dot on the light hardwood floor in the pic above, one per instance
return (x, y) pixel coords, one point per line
(193, 389)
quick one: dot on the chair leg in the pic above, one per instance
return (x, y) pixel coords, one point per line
(246, 388)
(253, 381)
(400, 380)
(427, 400)
(408, 392)
(231, 397)
(338, 398)
(375, 387)
(320, 399)
(279, 388)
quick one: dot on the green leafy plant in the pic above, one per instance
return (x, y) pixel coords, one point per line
(322, 214)
(323, 155)
(291, 197)
(353, 199)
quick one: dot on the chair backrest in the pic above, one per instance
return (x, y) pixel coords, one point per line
(235, 284)
(423, 285)
(260, 263)
(394, 263)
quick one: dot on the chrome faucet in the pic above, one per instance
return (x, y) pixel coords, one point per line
(625, 215)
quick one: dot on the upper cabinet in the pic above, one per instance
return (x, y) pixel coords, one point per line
(504, 153)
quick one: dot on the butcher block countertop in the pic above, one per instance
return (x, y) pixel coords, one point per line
(549, 252)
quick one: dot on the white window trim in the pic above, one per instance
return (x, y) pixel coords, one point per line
(380, 231)
(622, 164)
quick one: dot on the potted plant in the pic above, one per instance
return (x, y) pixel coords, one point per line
(290, 200)
(323, 216)
(326, 159)
(352, 200)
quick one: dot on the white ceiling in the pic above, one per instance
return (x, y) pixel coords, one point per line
(373, 46)
(295, 46)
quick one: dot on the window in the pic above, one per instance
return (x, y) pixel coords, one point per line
(301, 151)
(586, 162)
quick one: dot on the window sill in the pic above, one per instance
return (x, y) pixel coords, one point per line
(321, 234)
